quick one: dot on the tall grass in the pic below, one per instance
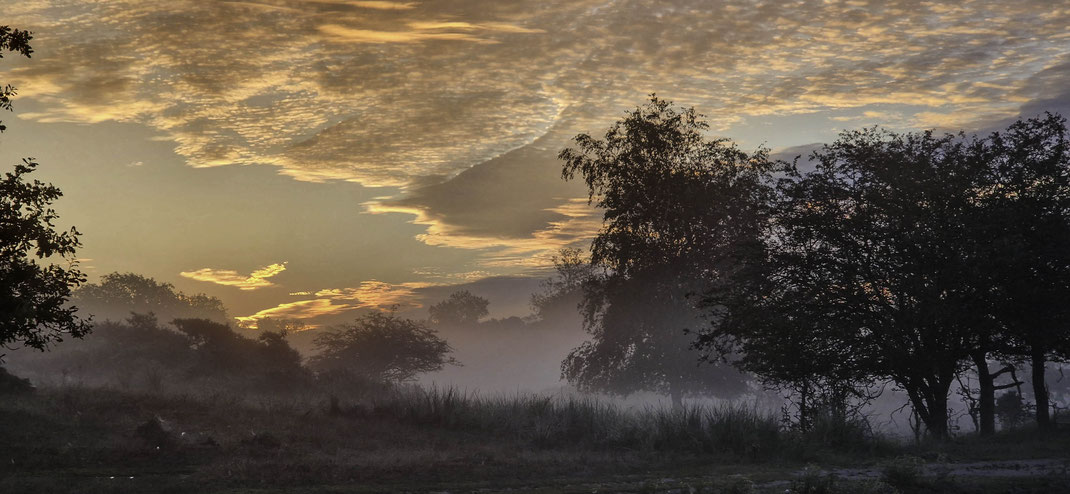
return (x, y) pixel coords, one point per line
(585, 422)
(536, 422)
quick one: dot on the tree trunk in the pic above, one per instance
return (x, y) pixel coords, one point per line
(1040, 390)
(987, 400)
(804, 407)
(937, 420)
(931, 406)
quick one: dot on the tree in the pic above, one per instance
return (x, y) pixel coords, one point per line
(220, 351)
(871, 261)
(561, 294)
(118, 294)
(460, 308)
(276, 351)
(19, 42)
(38, 267)
(763, 320)
(678, 209)
(1026, 206)
(381, 347)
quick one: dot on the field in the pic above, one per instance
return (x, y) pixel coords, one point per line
(82, 439)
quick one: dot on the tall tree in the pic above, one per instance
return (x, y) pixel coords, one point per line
(38, 267)
(678, 208)
(1027, 206)
(867, 267)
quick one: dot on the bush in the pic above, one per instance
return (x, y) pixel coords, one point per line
(381, 347)
(903, 473)
(142, 353)
(1011, 410)
(737, 484)
(814, 481)
(10, 384)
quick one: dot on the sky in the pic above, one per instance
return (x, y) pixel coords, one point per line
(310, 159)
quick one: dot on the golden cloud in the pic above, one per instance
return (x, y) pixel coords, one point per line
(405, 94)
(386, 105)
(579, 224)
(338, 33)
(331, 301)
(300, 310)
(228, 277)
(371, 4)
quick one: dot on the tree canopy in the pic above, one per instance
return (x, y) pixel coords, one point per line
(381, 347)
(38, 267)
(677, 209)
(17, 41)
(903, 256)
(561, 294)
(462, 307)
(118, 294)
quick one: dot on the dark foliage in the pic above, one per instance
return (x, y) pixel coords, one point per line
(1026, 245)
(1011, 410)
(381, 347)
(903, 256)
(38, 267)
(219, 351)
(10, 384)
(17, 41)
(677, 210)
(119, 294)
(140, 353)
(561, 294)
(462, 307)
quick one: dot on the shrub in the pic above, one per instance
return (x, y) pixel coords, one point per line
(903, 473)
(381, 347)
(814, 481)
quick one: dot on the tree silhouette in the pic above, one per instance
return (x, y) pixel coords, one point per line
(34, 287)
(903, 256)
(677, 210)
(381, 347)
(1027, 210)
(870, 271)
(18, 42)
(460, 308)
(220, 351)
(118, 294)
(561, 294)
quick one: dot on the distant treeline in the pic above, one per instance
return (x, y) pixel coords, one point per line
(148, 335)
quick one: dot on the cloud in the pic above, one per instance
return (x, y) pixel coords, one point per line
(467, 26)
(393, 99)
(338, 33)
(578, 223)
(508, 296)
(375, 294)
(300, 310)
(509, 196)
(452, 102)
(228, 277)
(373, 4)
(371, 294)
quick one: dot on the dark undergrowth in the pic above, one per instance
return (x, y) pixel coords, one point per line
(81, 439)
